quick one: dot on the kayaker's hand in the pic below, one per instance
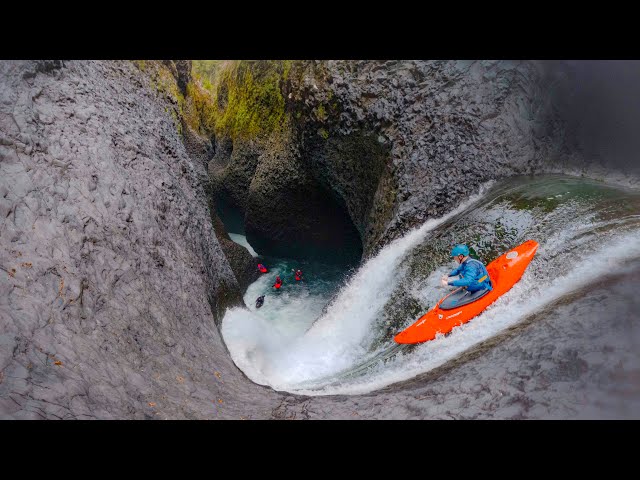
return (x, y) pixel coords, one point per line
(444, 281)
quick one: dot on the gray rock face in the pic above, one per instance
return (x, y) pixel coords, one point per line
(286, 210)
(111, 277)
(244, 266)
(232, 168)
(240, 260)
(290, 214)
(448, 126)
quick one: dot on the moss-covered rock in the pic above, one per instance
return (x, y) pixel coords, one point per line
(250, 99)
(289, 152)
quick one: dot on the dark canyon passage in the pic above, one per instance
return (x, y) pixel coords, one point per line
(123, 295)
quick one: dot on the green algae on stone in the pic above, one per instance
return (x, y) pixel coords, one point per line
(251, 98)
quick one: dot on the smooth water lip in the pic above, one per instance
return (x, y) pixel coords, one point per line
(242, 240)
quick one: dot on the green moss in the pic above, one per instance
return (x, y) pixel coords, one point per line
(206, 71)
(321, 113)
(323, 133)
(249, 97)
(141, 64)
(200, 111)
(227, 97)
(162, 81)
(286, 68)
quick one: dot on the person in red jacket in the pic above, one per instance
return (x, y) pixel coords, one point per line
(278, 283)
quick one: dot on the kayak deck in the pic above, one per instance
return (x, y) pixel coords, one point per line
(460, 298)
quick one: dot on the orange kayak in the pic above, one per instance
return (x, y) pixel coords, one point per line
(504, 271)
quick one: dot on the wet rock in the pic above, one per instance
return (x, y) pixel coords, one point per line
(47, 66)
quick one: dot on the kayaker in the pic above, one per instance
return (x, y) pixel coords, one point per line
(262, 268)
(259, 301)
(278, 283)
(473, 273)
(297, 274)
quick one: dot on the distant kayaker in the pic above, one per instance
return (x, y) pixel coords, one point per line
(259, 301)
(262, 268)
(297, 274)
(278, 283)
(473, 273)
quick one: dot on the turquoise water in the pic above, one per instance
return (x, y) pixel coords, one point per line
(294, 307)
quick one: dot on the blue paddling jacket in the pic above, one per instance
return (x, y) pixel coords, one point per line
(473, 275)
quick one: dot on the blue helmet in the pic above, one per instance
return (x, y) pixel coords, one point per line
(460, 250)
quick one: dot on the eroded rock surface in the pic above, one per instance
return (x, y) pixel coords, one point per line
(111, 277)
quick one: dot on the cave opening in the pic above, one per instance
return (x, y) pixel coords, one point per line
(309, 224)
